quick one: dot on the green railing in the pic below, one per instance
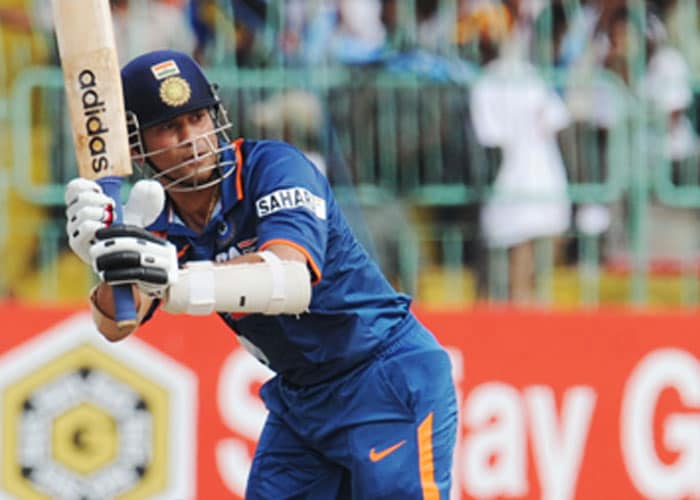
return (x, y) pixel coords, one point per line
(405, 163)
(388, 138)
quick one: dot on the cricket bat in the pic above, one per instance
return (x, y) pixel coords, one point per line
(96, 107)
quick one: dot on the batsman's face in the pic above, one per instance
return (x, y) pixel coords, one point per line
(184, 148)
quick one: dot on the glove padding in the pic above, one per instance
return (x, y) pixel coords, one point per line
(88, 209)
(130, 254)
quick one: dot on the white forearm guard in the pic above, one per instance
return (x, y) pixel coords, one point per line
(271, 287)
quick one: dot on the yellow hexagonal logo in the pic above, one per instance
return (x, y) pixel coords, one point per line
(84, 438)
(82, 419)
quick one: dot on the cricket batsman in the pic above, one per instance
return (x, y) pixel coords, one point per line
(363, 404)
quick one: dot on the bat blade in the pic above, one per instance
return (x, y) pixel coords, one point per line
(92, 81)
(93, 87)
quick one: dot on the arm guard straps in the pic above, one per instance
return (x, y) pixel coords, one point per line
(271, 287)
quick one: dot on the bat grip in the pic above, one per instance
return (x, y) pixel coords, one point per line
(123, 297)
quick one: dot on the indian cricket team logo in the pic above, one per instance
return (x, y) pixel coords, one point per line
(175, 91)
(165, 69)
(85, 420)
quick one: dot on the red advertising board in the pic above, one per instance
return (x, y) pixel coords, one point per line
(552, 405)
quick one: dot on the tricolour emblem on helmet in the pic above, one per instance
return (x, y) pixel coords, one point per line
(175, 91)
(165, 69)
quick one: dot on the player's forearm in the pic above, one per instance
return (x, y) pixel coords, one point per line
(274, 281)
(103, 313)
(263, 283)
(284, 252)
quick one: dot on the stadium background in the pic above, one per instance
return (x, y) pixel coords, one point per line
(576, 351)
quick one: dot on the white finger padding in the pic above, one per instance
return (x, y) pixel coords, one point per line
(145, 203)
(79, 185)
(88, 200)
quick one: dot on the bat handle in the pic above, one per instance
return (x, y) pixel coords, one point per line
(123, 297)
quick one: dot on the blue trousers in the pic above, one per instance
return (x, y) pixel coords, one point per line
(385, 430)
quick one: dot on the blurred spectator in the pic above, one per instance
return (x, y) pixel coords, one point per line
(482, 26)
(221, 37)
(290, 32)
(292, 115)
(683, 25)
(35, 18)
(250, 12)
(673, 143)
(562, 35)
(202, 16)
(434, 25)
(427, 26)
(625, 38)
(294, 29)
(350, 32)
(138, 25)
(600, 92)
(16, 18)
(599, 103)
(667, 86)
(577, 35)
(360, 27)
(512, 108)
(145, 25)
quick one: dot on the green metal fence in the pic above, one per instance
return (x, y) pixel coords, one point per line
(406, 165)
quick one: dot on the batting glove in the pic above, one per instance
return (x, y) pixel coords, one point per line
(130, 254)
(87, 210)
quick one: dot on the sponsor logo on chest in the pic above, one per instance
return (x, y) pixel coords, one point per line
(285, 199)
(241, 248)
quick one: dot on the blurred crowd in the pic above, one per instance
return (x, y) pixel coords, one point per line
(551, 91)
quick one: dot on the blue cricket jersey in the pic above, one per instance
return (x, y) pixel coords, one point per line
(276, 195)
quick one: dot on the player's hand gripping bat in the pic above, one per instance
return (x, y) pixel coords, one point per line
(96, 107)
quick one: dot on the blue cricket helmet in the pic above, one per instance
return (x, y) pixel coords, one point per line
(163, 84)
(160, 86)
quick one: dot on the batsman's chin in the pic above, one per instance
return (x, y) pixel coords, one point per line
(193, 177)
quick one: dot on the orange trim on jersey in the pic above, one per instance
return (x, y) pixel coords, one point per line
(183, 251)
(425, 459)
(239, 168)
(297, 246)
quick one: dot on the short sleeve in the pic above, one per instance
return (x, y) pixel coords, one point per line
(290, 199)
